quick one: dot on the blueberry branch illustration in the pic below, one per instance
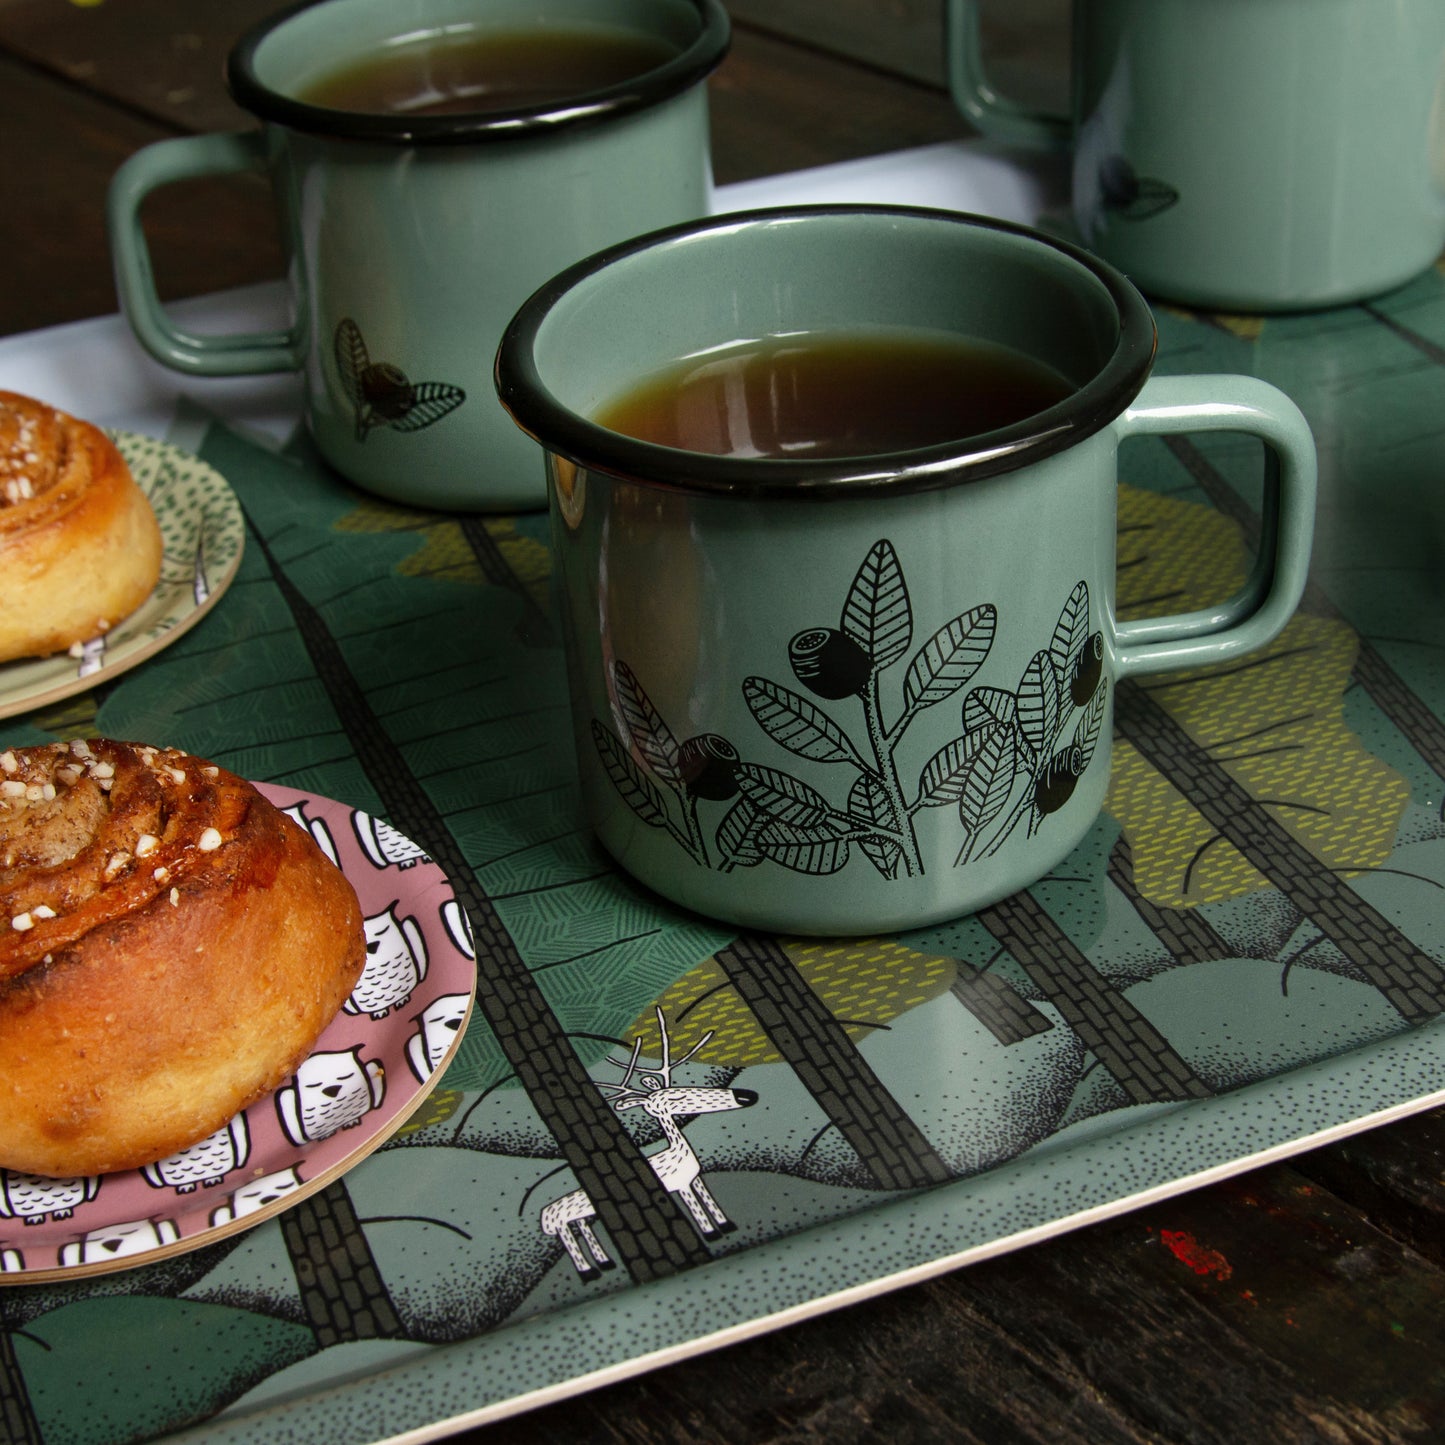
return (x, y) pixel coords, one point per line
(848, 661)
(882, 741)
(971, 848)
(1013, 736)
(697, 844)
(838, 663)
(702, 767)
(1013, 760)
(912, 706)
(779, 817)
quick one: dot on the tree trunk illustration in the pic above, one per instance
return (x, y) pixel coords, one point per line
(18, 1424)
(1412, 982)
(342, 1291)
(1402, 705)
(649, 1232)
(1187, 935)
(535, 627)
(999, 1007)
(829, 1065)
(1120, 1037)
(1407, 334)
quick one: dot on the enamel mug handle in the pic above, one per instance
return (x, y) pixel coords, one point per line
(186, 158)
(1258, 612)
(994, 115)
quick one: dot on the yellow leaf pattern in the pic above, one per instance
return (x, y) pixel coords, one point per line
(1247, 328)
(864, 983)
(529, 559)
(445, 551)
(1273, 721)
(437, 1108)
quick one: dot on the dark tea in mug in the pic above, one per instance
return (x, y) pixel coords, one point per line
(836, 394)
(477, 71)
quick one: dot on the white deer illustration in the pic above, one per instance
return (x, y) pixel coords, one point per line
(570, 1218)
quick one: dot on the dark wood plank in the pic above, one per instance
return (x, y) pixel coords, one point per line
(918, 1367)
(61, 149)
(1396, 1175)
(1301, 1303)
(776, 107)
(1026, 42)
(165, 59)
(1265, 1308)
(898, 35)
(157, 58)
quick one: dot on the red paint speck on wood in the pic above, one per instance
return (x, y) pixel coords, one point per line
(1200, 1258)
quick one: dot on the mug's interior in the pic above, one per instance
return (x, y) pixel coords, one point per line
(313, 43)
(643, 312)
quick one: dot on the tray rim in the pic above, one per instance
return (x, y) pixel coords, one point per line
(1388, 1079)
(1403, 1074)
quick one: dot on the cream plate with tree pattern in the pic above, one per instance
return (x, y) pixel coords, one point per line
(203, 534)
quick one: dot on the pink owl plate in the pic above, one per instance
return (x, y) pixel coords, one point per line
(371, 1069)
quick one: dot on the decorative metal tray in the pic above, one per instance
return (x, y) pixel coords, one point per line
(1242, 960)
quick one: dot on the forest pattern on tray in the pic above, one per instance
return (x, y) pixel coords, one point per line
(1259, 894)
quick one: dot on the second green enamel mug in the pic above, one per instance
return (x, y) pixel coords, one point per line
(415, 234)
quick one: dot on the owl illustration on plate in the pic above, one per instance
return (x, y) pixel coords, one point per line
(382, 394)
(384, 845)
(116, 1241)
(89, 656)
(206, 1163)
(330, 1091)
(437, 1027)
(316, 827)
(256, 1195)
(200, 581)
(35, 1198)
(396, 962)
(459, 927)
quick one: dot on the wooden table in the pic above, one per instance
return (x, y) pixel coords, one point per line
(1300, 1302)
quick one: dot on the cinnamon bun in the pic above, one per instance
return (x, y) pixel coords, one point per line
(79, 546)
(171, 947)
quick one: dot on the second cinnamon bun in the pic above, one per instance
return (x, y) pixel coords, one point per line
(79, 545)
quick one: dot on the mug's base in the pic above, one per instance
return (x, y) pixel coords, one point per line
(773, 907)
(406, 494)
(438, 486)
(1231, 300)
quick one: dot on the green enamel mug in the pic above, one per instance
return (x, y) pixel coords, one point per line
(1244, 155)
(844, 692)
(414, 236)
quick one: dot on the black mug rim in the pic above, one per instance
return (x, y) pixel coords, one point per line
(677, 74)
(1087, 410)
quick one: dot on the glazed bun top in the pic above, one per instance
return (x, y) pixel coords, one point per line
(92, 830)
